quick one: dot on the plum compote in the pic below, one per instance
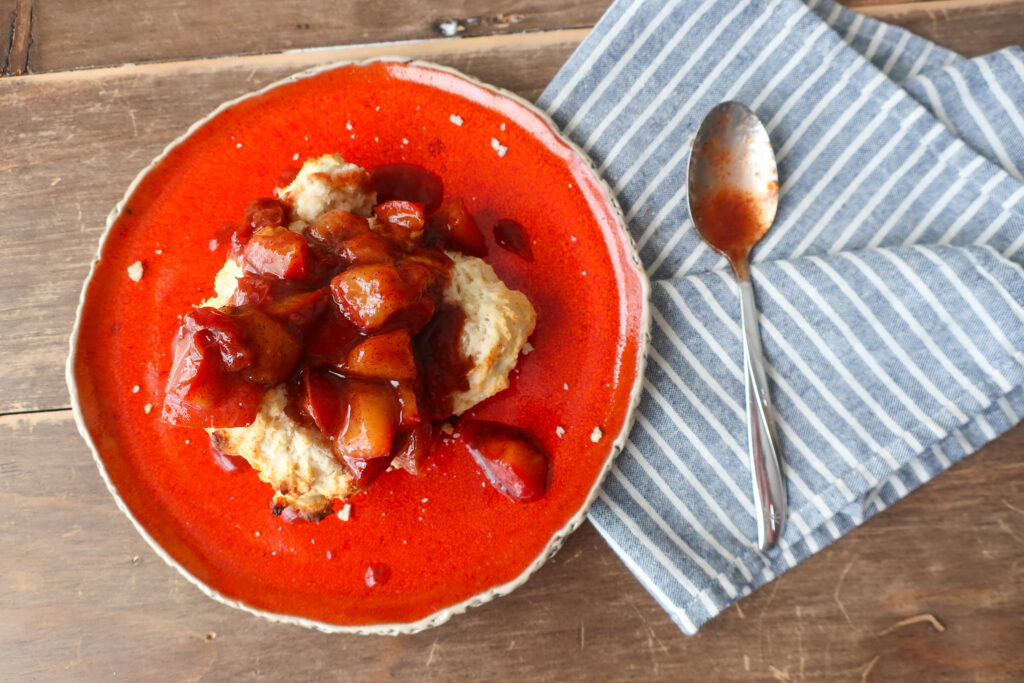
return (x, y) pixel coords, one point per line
(349, 315)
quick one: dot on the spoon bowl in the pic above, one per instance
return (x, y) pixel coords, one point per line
(733, 181)
(733, 193)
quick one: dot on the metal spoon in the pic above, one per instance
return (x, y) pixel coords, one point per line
(733, 188)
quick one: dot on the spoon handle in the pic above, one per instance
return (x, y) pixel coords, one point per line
(766, 470)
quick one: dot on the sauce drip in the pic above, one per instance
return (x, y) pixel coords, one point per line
(444, 368)
(730, 220)
(512, 236)
(408, 182)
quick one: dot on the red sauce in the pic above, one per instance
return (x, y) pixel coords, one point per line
(468, 538)
(512, 236)
(730, 221)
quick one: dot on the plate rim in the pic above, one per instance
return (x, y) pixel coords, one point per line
(557, 539)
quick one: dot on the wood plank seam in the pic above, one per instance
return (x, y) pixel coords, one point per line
(16, 63)
(39, 411)
(303, 58)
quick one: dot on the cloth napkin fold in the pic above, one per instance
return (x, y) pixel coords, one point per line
(891, 296)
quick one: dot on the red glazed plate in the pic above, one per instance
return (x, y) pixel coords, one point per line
(448, 539)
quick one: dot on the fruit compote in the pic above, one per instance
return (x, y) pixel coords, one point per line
(348, 314)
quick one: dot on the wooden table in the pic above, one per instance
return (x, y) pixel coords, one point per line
(94, 90)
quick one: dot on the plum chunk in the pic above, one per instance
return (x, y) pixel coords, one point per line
(329, 341)
(279, 252)
(412, 448)
(384, 356)
(367, 248)
(252, 290)
(300, 310)
(371, 295)
(513, 463)
(276, 349)
(263, 212)
(408, 405)
(455, 228)
(370, 422)
(401, 220)
(205, 387)
(322, 399)
(366, 471)
(335, 227)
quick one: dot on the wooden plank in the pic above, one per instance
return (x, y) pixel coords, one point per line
(967, 26)
(74, 34)
(75, 140)
(7, 18)
(21, 38)
(75, 603)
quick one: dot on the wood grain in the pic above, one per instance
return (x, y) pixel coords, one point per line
(82, 595)
(7, 18)
(73, 34)
(75, 140)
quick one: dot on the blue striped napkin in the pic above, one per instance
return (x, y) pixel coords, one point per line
(890, 287)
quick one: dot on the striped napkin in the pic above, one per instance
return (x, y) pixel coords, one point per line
(890, 287)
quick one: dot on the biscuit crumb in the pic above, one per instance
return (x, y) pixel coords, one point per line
(210, 636)
(560, 431)
(425, 500)
(238, 145)
(456, 119)
(159, 251)
(498, 147)
(148, 408)
(572, 237)
(256, 534)
(502, 125)
(446, 428)
(136, 389)
(527, 349)
(348, 125)
(345, 512)
(135, 271)
(566, 387)
(295, 157)
(405, 141)
(596, 435)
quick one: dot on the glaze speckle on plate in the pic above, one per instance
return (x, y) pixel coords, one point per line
(447, 539)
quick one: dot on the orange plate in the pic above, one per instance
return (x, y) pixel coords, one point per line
(448, 537)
